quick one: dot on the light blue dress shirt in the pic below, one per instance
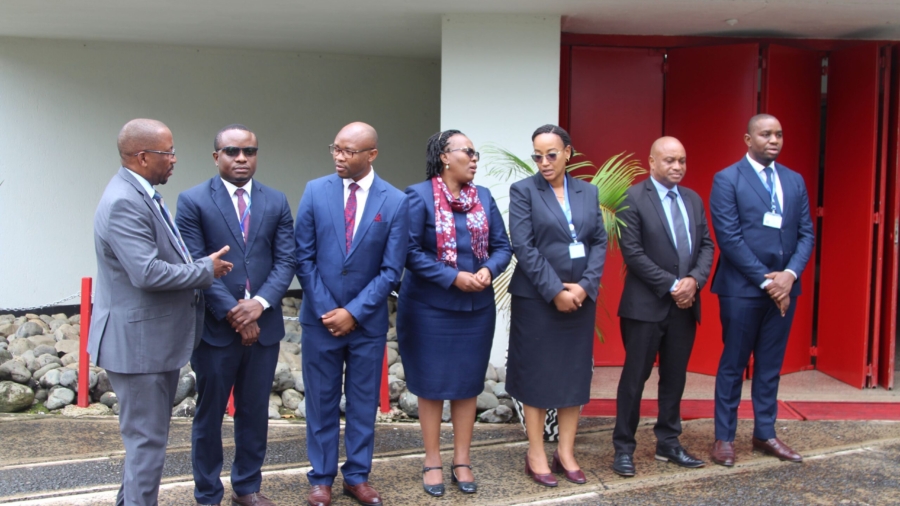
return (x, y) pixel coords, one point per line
(667, 208)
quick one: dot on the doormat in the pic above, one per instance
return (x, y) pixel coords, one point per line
(690, 409)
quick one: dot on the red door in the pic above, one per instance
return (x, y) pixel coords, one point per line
(888, 338)
(615, 106)
(792, 91)
(711, 93)
(846, 290)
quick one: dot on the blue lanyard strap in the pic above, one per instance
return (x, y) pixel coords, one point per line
(567, 209)
(246, 213)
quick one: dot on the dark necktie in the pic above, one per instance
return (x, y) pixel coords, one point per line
(350, 215)
(168, 219)
(770, 182)
(681, 236)
(245, 222)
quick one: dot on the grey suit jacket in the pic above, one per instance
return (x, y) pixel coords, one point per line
(650, 255)
(540, 238)
(146, 316)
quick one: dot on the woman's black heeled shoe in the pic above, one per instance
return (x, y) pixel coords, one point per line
(432, 490)
(466, 487)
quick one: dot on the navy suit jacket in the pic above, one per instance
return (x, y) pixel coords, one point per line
(748, 249)
(431, 281)
(540, 238)
(207, 221)
(358, 281)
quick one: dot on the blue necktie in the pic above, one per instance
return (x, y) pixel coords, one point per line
(168, 218)
(770, 182)
(681, 236)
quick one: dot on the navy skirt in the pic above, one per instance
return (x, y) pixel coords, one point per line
(444, 353)
(550, 362)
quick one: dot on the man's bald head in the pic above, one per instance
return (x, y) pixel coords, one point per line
(668, 161)
(139, 134)
(355, 148)
(754, 121)
(362, 133)
(145, 147)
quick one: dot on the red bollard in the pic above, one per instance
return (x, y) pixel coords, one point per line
(385, 393)
(84, 385)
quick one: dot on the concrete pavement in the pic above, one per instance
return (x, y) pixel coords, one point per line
(49, 460)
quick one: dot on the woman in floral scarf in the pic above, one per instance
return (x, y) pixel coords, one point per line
(446, 312)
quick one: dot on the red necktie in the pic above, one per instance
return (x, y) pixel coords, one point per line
(245, 222)
(350, 215)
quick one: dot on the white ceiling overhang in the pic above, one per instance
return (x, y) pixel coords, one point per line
(411, 28)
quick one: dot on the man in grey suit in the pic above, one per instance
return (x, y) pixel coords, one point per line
(148, 308)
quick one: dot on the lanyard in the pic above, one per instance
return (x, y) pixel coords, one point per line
(246, 213)
(772, 193)
(567, 209)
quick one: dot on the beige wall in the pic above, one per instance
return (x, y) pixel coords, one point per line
(62, 104)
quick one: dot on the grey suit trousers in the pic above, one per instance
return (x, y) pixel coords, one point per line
(145, 407)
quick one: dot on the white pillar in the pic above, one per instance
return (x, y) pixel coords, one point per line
(499, 82)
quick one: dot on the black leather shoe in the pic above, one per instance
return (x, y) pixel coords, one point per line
(466, 487)
(623, 465)
(678, 455)
(432, 490)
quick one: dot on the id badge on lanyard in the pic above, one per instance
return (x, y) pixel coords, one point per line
(772, 219)
(576, 249)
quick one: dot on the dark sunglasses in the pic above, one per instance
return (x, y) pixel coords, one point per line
(551, 157)
(473, 155)
(234, 151)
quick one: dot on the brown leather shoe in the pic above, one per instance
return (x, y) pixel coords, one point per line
(723, 453)
(319, 495)
(777, 448)
(363, 493)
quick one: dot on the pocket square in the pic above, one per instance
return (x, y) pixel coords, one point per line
(378, 218)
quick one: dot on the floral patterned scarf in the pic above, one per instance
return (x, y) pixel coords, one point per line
(445, 225)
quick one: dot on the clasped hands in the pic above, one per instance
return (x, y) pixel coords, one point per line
(468, 282)
(570, 298)
(685, 292)
(339, 322)
(242, 318)
(780, 289)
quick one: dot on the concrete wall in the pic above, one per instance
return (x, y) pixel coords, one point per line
(499, 82)
(62, 104)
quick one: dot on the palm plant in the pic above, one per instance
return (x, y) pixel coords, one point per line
(612, 178)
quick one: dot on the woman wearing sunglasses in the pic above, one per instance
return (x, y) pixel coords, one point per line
(560, 243)
(446, 312)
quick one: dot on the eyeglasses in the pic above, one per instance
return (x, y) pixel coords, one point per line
(167, 153)
(473, 155)
(334, 150)
(233, 151)
(551, 157)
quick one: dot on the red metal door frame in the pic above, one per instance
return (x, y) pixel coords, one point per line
(711, 93)
(888, 337)
(615, 105)
(845, 303)
(791, 91)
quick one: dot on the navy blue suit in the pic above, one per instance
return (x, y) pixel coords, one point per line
(208, 220)
(751, 321)
(444, 333)
(358, 281)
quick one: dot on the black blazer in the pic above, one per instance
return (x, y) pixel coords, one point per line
(650, 255)
(540, 239)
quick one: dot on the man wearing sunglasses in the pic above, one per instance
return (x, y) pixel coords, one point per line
(352, 229)
(244, 324)
(148, 307)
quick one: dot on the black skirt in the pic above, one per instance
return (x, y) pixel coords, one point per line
(550, 353)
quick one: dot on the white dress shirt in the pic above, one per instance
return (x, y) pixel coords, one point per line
(362, 193)
(759, 168)
(234, 201)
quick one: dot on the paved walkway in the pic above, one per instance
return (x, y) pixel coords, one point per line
(54, 461)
